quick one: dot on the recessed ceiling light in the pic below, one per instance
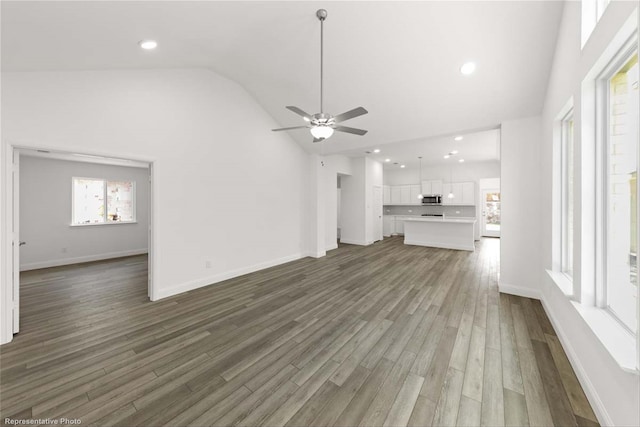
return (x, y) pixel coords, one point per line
(461, 160)
(148, 44)
(402, 166)
(458, 138)
(387, 160)
(446, 156)
(454, 152)
(377, 150)
(468, 68)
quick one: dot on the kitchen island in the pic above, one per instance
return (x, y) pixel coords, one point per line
(448, 233)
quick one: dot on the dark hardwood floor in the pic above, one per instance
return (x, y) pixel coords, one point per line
(384, 335)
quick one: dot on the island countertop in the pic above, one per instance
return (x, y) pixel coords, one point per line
(463, 220)
(448, 233)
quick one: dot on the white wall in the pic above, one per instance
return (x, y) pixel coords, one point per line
(520, 262)
(226, 189)
(45, 214)
(613, 392)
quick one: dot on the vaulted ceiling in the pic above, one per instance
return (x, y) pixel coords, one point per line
(400, 60)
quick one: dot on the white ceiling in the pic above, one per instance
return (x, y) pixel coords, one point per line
(479, 146)
(399, 60)
(83, 158)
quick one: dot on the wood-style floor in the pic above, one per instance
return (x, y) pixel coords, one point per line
(385, 335)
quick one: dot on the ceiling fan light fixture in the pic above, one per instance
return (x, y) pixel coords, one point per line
(148, 44)
(468, 68)
(321, 131)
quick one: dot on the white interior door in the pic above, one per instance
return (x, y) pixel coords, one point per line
(490, 205)
(377, 213)
(15, 178)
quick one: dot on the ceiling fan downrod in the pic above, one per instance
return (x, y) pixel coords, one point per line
(322, 15)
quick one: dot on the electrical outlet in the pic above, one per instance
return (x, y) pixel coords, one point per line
(410, 211)
(457, 212)
(207, 264)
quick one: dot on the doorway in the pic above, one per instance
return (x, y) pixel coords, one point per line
(490, 206)
(45, 189)
(377, 208)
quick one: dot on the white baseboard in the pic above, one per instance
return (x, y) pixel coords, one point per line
(589, 390)
(331, 247)
(354, 242)
(440, 245)
(206, 281)
(318, 254)
(80, 259)
(520, 291)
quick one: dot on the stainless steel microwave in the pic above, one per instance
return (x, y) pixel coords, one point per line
(432, 199)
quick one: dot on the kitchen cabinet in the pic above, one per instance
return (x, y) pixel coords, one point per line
(405, 194)
(436, 187)
(464, 193)
(414, 192)
(399, 225)
(386, 195)
(432, 187)
(395, 195)
(468, 193)
(388, 225)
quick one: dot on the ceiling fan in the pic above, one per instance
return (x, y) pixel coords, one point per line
(323, 124)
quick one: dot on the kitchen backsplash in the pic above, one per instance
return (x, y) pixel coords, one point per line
(450, 211)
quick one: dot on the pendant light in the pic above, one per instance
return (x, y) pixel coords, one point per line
(420, 195)
(451, 195)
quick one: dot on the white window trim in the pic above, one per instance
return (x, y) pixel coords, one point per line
(602, 138)
(564, 282)
(617, 340)
(564, 207)
(106, 207)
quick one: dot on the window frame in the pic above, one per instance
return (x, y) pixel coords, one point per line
(106, 202)
(566, 136)
(591, 11)
(602, 109)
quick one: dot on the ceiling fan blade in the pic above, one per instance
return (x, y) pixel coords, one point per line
(350, 114)
(318, 139)
(294, 127)
(299, 112)
(350, 130)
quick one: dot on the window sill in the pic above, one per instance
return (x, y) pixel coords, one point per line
(616, 339)
(562, 281)
(103, 223)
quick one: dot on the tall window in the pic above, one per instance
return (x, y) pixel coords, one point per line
(620, 172)
(97, 201)
(592, 11)
(567, 194)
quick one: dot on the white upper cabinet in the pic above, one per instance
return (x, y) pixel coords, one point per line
(446, 189)
(405, 194)
(436, 187)
(432, 187)
(463, 193)
(414, 192)
(408, 194)
(468, 193)
(396, 195)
